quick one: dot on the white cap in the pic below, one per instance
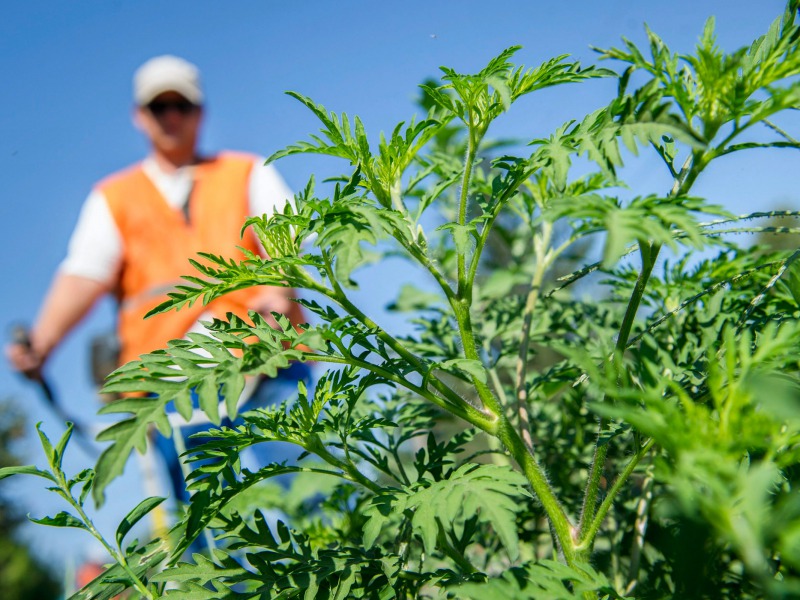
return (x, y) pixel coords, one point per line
(167, 74)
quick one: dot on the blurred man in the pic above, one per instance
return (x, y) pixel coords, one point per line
(139, 227)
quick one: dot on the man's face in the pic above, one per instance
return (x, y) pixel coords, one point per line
(170, 122)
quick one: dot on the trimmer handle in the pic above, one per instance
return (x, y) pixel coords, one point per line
(20, 335)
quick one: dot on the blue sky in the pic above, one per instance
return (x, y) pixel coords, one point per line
(65, 122)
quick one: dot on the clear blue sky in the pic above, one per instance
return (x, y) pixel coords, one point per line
(65, 121)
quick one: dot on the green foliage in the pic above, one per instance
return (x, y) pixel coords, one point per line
(453, 507)
(22, 575)
(133, 561)
(545, 579)
(520, 442)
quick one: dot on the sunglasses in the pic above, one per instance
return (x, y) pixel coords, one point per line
(183, 107)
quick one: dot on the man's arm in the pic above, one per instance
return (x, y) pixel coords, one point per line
(89, 269)
(69, 299)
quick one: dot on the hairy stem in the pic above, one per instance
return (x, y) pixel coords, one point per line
(488, 399)
(562, 528)
(541, 246)
(473, 138)
(640, 528)
(649, 251)
(587, 537)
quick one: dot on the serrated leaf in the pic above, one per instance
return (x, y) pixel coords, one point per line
(208, 399)
(183, 403)
(489, 492)
(125, 436)
(546, 579)
(232, 388)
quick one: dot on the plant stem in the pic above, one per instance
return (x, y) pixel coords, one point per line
(65, 492)
(488, 399)
(563, 529)
(541, 246)
(338, 296)
(691, 168)
(587, 537)
(397, 197)
(118, 556)
(315, 445)
(640, 528)
(473, 138)
(649, 253)
(487, 227)
(452, 552)
(463, 409)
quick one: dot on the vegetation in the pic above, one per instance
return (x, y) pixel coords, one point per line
(523, 442)
(22, 577)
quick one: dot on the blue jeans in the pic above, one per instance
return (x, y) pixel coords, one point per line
(270, 391)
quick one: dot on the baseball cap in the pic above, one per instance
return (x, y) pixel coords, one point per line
(167, 74)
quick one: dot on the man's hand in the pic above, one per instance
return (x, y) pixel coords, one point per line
(24, 357)
(273, 299)
(70, 297)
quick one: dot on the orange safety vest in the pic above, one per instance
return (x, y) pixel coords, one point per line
(157, 242)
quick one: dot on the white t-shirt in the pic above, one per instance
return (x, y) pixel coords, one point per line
(95, 248)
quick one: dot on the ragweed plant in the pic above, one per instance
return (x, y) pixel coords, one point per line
(522, 442)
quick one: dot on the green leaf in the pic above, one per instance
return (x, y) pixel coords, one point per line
(47, 446)
(464, 236)
(135, 515)
(412, 298)
(208, 399)
(25, 470)
(490, 492)
(183, 403)
(544, 579)
(474, 368)
(62, 519)
(58, 453)
(232, 387)
(125, 436)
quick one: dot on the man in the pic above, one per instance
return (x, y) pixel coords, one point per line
(139, 227)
